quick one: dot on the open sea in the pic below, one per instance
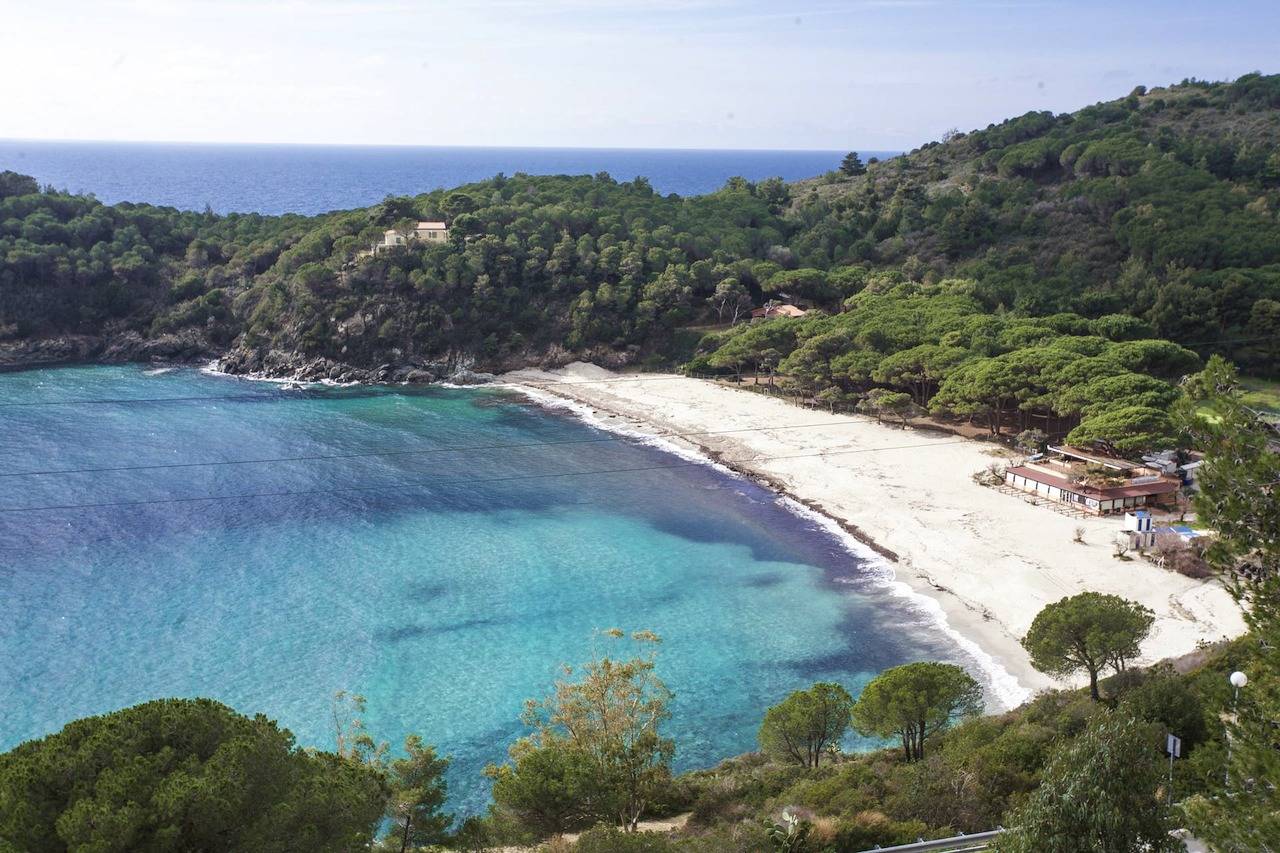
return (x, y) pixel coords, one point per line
(439, 550)
(314, 179)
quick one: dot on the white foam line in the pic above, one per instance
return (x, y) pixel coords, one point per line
(1002, 685)
(211, 369)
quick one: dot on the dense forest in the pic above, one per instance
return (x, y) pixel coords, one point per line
(1161, 206)
(901, 348)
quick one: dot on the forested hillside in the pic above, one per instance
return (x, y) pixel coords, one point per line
(1161, 206)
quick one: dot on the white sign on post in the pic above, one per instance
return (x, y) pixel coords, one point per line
(1173, 746)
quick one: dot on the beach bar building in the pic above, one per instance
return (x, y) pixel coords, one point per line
(1093, 482)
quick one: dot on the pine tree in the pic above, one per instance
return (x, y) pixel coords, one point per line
(852, 164)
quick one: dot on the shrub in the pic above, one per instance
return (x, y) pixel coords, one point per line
(610, 839)
(1181, 557)
(871, 829)
(1165, 697)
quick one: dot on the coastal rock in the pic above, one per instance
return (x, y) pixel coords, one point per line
(241, 359)
(470, 377)
(58, 350)
(185, 346)
(419, 377)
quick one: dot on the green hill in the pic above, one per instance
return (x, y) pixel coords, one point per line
(1161, 205)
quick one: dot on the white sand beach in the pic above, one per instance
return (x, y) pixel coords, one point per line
(989, 559)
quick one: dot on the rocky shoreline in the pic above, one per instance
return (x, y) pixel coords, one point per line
(184, 347)
(192, 347)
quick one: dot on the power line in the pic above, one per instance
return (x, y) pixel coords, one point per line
(406, 452)
(469, 481)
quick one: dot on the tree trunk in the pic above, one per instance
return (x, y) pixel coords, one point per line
(1093, 684)
(404, 842)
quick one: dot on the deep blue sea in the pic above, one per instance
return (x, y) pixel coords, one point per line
(445, 584)
(317, 178)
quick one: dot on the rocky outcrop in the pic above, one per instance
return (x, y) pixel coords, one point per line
(188, 345)
(185, 346)
(282, 364)
(60, 350)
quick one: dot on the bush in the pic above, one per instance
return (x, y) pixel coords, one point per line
(738, 788)
(610, 839)
(1165, 697)
(1182, 557)
(846, 789)
(871, 829)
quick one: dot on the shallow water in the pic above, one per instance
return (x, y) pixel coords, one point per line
(447, 595)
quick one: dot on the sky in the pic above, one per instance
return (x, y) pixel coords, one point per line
(820, 74)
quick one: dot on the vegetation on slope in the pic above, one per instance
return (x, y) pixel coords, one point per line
(1161, 206)
(1101, 381)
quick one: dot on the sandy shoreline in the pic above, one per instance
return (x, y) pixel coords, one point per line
(990, 561)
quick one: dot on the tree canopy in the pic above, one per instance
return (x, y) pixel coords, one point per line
(610, 719)
(807, 723)
(1099, 794)
(183, 774)
(915, 701)
(1088, 631)
(1239, 497)
(1150, 217)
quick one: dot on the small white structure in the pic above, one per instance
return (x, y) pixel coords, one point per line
(1190, 472)
(1138, 526)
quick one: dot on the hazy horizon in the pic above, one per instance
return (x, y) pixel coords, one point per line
(666, 74)
(441, 146)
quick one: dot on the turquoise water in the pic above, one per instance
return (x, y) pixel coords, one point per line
(446, 598)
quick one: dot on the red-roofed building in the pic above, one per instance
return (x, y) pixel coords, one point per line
(1093, 482)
